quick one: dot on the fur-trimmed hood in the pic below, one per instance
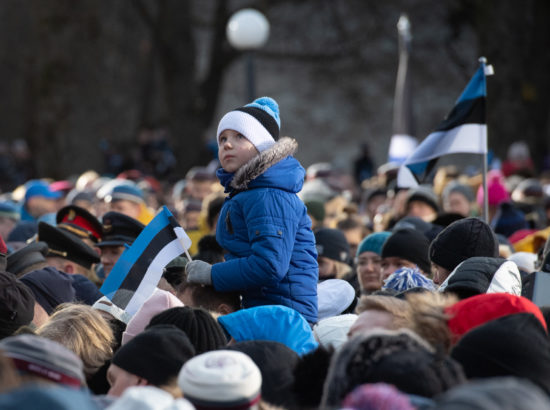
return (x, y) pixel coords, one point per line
(249, 174)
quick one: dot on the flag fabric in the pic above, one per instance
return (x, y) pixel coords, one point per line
(139, 269)
(403, 142)
(463, 131)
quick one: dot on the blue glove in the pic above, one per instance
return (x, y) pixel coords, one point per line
(199, 272)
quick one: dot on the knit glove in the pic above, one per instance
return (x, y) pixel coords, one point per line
(199, 272)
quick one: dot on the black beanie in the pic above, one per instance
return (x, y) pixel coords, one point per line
(462, 240)
(204, 332)
(16, 304)
(408, 244)
(156, 354)
(513, 345)
(276, 363)
(332, 244)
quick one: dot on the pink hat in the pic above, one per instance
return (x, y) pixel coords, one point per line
(495, 188)
(158, 302)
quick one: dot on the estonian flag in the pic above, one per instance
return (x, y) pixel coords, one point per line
(463, 131)
(139, 269)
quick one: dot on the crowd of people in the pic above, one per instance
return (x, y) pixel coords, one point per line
(306, 288)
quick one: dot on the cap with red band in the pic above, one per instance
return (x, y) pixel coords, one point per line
(79, 218)
(54, 376)
(44, 358)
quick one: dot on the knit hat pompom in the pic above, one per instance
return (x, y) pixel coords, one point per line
(258, 121)
(269, 105)
(496, 189)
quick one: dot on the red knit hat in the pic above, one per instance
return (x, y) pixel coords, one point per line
(477, 310)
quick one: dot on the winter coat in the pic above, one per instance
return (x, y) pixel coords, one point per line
(275, 323)
(265, 229)
(481, 274)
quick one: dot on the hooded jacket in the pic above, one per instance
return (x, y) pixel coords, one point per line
(266, 231)
(275, 323)
(480, 274)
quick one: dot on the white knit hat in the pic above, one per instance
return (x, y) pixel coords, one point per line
(149, 398)
(333, 331)
(258, 121)
(222, 379)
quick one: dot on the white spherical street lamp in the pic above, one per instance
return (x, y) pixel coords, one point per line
(248, 30)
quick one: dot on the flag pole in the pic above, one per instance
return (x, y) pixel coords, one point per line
(483, 62)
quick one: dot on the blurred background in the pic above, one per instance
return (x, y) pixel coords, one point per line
(141, 84)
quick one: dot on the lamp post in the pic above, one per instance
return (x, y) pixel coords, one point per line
(247, 30)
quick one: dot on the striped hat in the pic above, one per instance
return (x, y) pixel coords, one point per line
(258, 121)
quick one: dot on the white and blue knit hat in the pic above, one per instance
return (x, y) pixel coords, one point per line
(258, 121)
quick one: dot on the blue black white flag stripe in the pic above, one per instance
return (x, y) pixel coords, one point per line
(139, 269)
(463, 131)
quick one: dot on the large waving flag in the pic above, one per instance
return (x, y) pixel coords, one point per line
(139, 269)
(464, 131)
(403, 142)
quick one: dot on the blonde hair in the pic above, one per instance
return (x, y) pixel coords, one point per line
(428, 318)
(399, 309)
(83, 330)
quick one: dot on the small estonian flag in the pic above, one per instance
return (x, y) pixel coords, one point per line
(463, 131)
(139, 268)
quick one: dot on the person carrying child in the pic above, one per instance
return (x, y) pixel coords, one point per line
(263, 224)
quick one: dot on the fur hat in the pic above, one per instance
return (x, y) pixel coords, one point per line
(400, 358)
(461, 240)
(258, 121)
(221, 379)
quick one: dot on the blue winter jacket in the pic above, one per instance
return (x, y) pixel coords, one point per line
(266, 231)
(275, 323)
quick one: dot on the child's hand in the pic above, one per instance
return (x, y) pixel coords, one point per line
(199, 272)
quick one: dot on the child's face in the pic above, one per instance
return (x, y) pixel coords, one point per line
(234, 150)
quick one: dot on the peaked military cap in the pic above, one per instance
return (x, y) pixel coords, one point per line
(29, 255)
(79, 222)
(66, 245)
(119, 229)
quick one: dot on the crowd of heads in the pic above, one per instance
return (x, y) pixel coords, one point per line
(423, 301)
